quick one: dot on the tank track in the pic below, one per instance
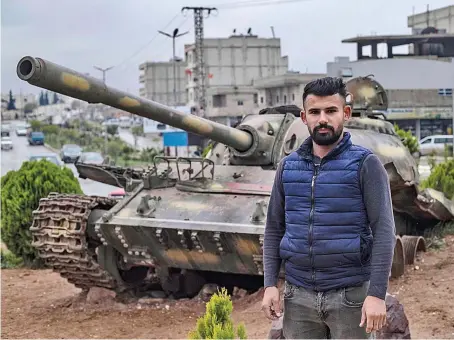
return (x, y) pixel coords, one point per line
(59, 232)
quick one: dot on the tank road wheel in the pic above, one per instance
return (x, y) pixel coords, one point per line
(60, 233)
(180, 283)
(398, 264)
(113, 262)
(412, 245)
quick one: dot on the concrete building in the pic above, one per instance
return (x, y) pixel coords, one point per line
(20, 100)
(441, 18)
(419, 85)
(158, 82)
(284, 89)
(231, 66)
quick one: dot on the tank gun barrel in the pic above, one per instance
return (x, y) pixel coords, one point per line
(56, 78)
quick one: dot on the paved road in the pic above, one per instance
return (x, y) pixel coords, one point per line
(142, 142)
(12, 160)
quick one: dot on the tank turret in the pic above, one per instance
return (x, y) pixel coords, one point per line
(186, 221)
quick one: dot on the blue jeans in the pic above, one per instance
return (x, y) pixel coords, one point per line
(335, 314)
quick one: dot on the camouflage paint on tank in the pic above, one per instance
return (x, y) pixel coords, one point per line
(215, 221)
(56, 78)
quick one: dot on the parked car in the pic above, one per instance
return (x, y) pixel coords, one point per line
(48, 156)
(70, 152)
(36, 138)
(434, 144)
(5, 130)
(21, 130)
(7, 143)
(91, 158)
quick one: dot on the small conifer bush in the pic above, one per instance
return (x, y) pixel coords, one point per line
(216, 323)
(410, 141)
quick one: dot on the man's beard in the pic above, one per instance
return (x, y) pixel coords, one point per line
(326, 138)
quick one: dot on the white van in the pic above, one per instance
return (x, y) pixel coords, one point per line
(434, 144)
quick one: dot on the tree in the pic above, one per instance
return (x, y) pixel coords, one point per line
(114, 149)
(41, 99)
(136, 132)
(21, 192)
(112, 129)
(55, 100)
(441, 179)
(217, 322)
(11, 102)
(46, 98)
(29, 107)
(410, 141)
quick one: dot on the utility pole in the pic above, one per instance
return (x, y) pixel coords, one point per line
(452, 129)
(200, 65)
(173, 37)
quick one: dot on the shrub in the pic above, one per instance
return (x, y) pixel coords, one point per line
(217, 322)
(442, 179)
(21, 192)
(9, 260)
(410, 141)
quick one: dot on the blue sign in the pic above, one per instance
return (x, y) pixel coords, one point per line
(179, 138)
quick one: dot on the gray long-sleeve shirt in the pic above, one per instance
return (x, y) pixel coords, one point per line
(377, 199)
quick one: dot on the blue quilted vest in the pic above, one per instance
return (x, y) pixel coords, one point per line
(327, 242)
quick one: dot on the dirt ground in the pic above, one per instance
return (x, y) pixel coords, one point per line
(40, 304)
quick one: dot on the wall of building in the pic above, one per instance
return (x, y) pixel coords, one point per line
(158, 82)
(399, 73)
(236, 61)
(417, 98)
(441, 18)
(286, 89)
(231, 102)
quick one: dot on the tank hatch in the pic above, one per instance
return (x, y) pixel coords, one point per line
(367, 94)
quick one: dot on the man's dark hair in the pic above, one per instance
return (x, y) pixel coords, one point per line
(327, 86)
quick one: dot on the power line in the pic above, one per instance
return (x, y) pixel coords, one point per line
(149, 42)
(256, 3)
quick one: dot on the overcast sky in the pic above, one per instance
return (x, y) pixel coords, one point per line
(82, 33)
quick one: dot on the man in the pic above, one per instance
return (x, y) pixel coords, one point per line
(330, 220)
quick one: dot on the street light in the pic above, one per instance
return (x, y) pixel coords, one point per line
(103, 70)
(174, 35)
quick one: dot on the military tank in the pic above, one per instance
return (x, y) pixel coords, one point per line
(185, 221)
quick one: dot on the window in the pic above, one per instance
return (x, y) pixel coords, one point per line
(293, 96)
(277, 99)
(240, 103)
(219, 100)
(255, 98)
(261, 100)
(443, 140)
(285, 99)
(427, 141)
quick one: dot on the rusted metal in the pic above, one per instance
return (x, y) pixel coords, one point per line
(413, 245)
(59, 233)
(208, 214)
(398, 265)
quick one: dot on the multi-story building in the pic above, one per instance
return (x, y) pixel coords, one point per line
(441, 18)
(158, 81)
(284, 89)
(231, 65)
(419, 85)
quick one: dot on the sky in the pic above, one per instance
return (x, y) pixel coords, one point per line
(81, 34)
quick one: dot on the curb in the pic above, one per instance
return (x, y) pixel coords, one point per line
(47, 146)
